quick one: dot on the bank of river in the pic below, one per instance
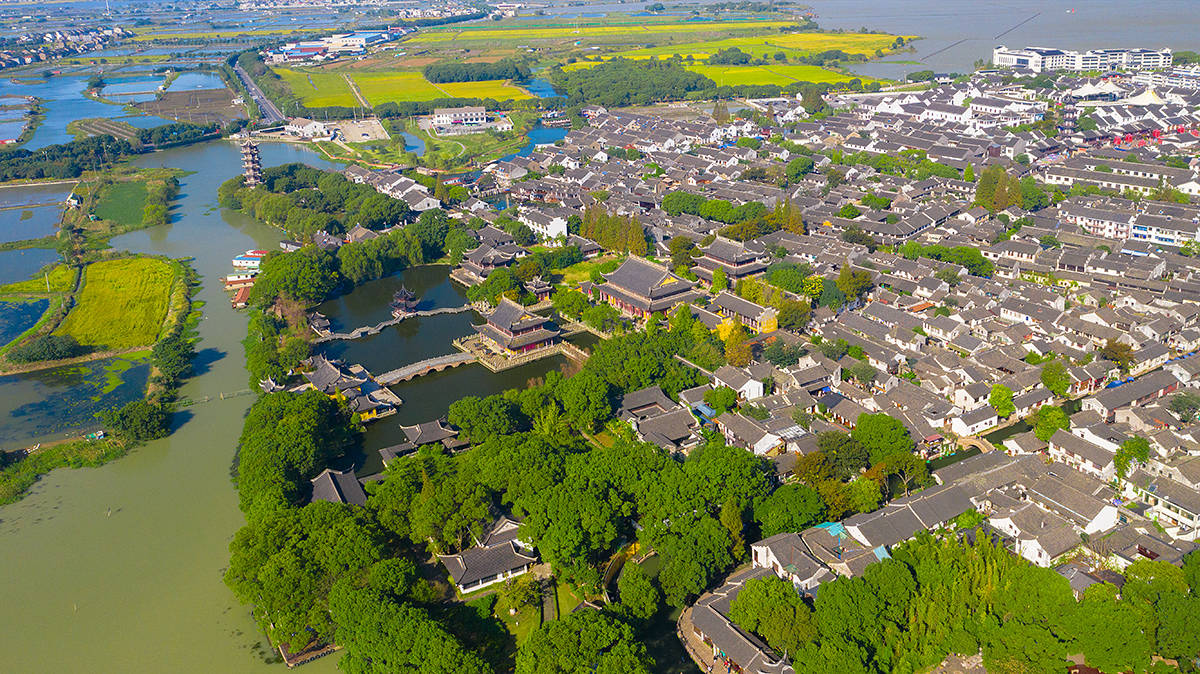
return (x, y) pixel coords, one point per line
(119, 568)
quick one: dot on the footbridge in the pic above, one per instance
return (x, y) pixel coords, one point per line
(424, 367)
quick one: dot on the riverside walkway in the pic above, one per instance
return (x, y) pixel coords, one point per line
(426, 366)
(367, 330)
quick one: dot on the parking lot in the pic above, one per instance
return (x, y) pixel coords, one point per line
(360, 131)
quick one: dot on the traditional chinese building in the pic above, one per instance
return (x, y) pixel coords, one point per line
(515, 330)
(251, 163)
(639, 288)
(732, 257)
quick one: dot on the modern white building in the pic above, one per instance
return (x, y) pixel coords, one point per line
(472, 114)
(1040, 59)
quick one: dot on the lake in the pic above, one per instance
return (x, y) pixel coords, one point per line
(956, 34)
(18, 224)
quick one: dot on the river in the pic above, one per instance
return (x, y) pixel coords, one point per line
(119, 568)
(121, 565)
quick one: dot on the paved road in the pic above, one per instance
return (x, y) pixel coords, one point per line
(269, 112)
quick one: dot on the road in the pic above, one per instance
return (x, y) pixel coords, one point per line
(270, 113)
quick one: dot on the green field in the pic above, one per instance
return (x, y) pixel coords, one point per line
(781, 74)
(122, 203)
(497, 89)
(319, 89)
(398, 86)
(568, 31)
(792, 44)
(322, 88)
(61, 277)
(122, 304)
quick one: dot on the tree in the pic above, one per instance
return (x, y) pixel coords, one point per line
(481, 418)
(719, 282)
(848, 211)
(861, 372)
(682, 250)
(586, 399)
(1049, 419)
(721, 399)
(518, 593)
(969, 173)
(1103, 631)
(285, 562)
(137, 421)
(771, 608)
(1185, 405)
(738, 351)
(797, 167)
(640, 598)
(379, 634)
(853, 282)
(790, 508)
(863, 494)
(1135, 449)
(1118, 352)
(287, 439)
(47, 347)
(908, 468)
(882, 436)
(583, 641)
(1055, 378)
(1001, 400)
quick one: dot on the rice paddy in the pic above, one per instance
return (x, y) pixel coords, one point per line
(318, 89)
(780, 74)
(792, 44)
(608, 29)
(322, 88)
(122, 303)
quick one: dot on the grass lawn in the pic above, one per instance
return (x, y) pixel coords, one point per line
(523, 623)
(62, 278)
(319, 89)
(780, 74)
(122, 304)
(567, 598)
(582, 271)
(122, 203)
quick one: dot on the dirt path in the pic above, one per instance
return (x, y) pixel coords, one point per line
(354, 90)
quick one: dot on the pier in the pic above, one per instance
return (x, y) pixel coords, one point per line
(368, 330)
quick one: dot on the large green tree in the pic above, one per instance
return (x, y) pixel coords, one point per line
(583, 641)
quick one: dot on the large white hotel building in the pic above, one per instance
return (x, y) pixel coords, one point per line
(1039, 59)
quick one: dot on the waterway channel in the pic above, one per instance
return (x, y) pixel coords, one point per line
(122, 564)
(119, 568)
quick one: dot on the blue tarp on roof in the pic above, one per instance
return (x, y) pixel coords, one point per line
(834, 528)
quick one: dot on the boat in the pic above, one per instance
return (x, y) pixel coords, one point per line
(235, 281)
(247, 262)
(255, 253)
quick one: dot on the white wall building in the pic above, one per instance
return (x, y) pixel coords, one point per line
(1039, 59)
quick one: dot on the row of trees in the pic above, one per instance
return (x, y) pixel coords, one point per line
(964, 256)
(678, 201)
(159, 194)
(459, 71)
(938, 596)
(613, 231)
(67, 160)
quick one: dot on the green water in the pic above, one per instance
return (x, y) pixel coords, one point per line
(118, 568)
